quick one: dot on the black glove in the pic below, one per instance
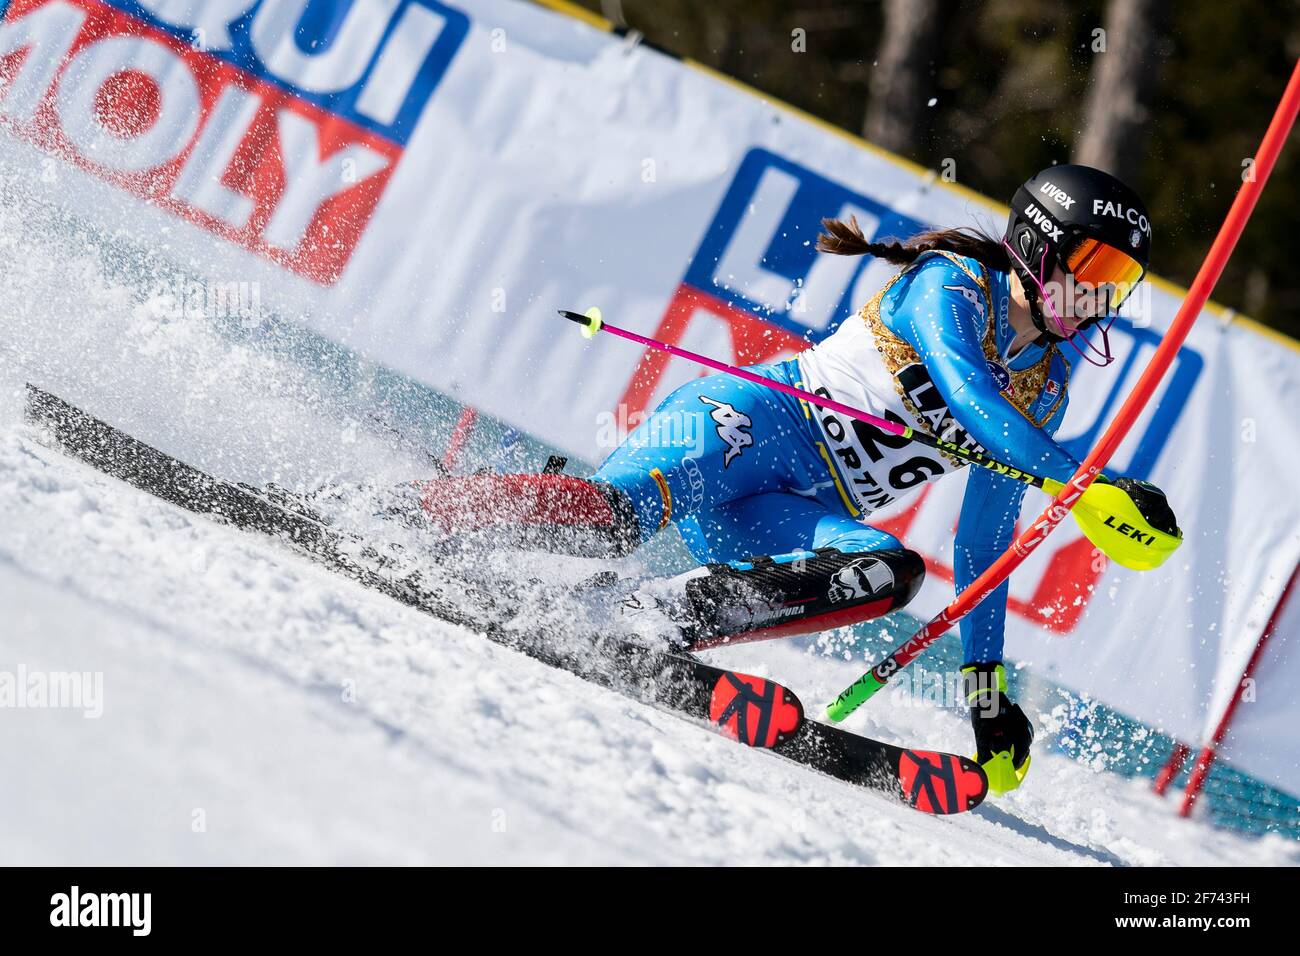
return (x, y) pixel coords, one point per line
(1152, 503)
(1003, 734)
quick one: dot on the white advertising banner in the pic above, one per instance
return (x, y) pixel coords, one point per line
(428, 182)
(1267, 711)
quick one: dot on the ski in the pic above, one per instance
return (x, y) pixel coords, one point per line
(751, 710)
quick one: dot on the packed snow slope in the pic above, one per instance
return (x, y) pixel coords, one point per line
(255, 709)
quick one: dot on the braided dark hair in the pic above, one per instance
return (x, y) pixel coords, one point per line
(846, 239)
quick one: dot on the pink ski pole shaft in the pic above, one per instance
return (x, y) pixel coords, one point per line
(594, 323)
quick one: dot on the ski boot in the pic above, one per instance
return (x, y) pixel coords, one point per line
(1003, 734)
(800, 593)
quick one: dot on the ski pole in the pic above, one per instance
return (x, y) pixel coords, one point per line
(1109, 518)
(865, 687)
(592, 322)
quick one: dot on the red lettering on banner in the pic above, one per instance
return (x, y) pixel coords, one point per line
(241, 157)
(1064, 588)
(752, 341)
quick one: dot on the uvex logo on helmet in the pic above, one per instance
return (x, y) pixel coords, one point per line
(1044, 222)
(1056, 194)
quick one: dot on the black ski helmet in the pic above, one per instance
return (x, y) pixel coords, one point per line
(1060, 213)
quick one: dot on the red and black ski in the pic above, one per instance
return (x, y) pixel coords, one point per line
(762, 713)
(752, 710)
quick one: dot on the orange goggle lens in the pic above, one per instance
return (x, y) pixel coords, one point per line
(1100, 265)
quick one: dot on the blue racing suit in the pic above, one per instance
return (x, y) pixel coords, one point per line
(745, 470)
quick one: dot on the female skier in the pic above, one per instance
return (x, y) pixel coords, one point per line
(971, 341)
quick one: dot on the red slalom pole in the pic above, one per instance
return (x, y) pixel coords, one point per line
(459, 437)
(866, 686)
(1177, 759)
(1205, 759)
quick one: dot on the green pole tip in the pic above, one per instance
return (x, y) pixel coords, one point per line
(853, 697)
(835, 712)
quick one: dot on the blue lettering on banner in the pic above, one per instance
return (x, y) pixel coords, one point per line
(274, 124)
(396, 50)
(1162, 414)
(759, 253)
(758, 256)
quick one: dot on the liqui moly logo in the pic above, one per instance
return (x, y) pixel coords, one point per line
(275, 124)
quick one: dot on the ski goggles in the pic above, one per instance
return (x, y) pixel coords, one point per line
(1110, 271)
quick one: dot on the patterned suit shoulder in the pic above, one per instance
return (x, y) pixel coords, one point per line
(1026, 384)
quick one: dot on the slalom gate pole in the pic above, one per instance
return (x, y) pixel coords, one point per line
(866, 686)
(592, 322)
(1205, 759)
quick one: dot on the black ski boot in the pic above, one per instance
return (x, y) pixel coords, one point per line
(1003, 734)
(800, 593)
